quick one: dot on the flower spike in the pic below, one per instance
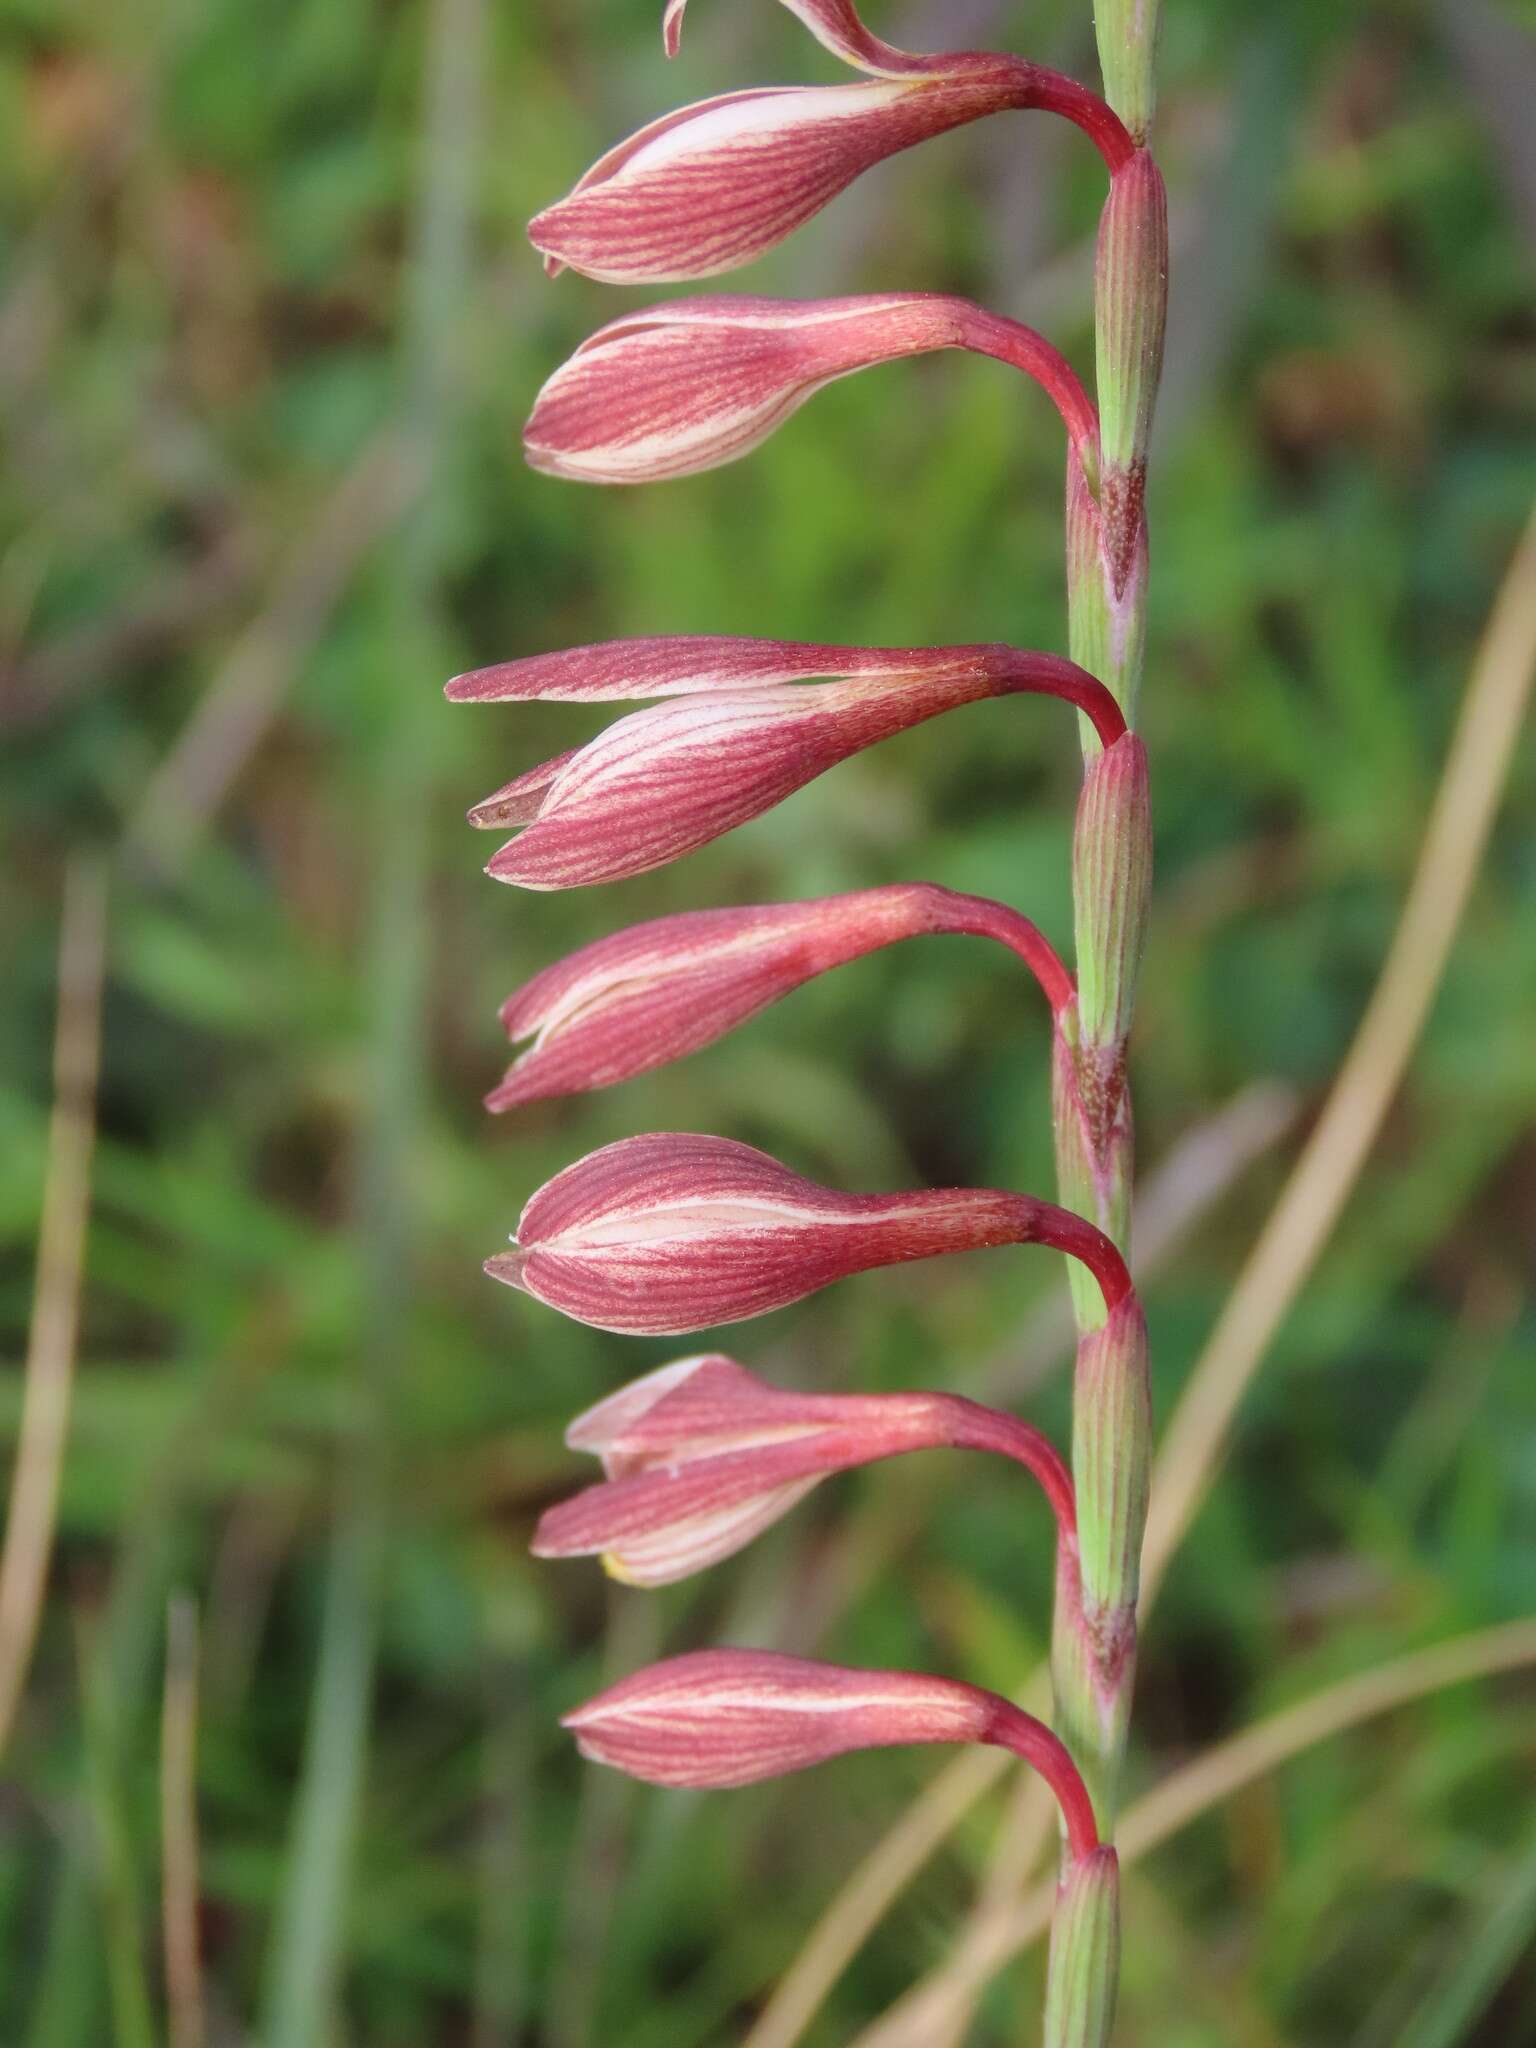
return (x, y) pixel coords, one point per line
(643, 997)
(689, 385)
(701, 1456)
(674, 1232)
(717, 184)
(719, 1718)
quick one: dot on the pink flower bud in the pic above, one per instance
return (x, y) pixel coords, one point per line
(696, 382)
(702, 1455)
(719, 1718)
(672, 1232)
(664, 781)
(714, 185)
(642, 997)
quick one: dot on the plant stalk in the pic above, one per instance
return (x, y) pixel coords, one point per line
(1094, 1633)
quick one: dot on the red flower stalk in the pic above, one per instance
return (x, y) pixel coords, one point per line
(653, 993)
(702, 1455)
(719, 1718)
(694, 383)
(672, 1232)
(665, 781)
(717, 184)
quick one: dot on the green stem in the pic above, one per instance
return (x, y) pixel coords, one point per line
(1127, 33)
(1094, 1633)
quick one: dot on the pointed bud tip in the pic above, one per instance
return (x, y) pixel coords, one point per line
(507, 1267)
(543, 234)
(540, 456)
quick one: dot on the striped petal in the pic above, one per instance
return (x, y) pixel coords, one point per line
(718, 184)
(667, 780)
(715, 185)
(687, 664)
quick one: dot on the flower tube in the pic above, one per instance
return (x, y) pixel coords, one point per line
(701, 1456)
(643, 997)
(673, 1232)
(720, 1718)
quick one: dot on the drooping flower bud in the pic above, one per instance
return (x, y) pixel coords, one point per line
(664, 781)
(691, 384)
(714, 185)
(674, 1232)
(720, 1718)
(633, 1001)
(702, 1455)
(693, 664)
(668, 780)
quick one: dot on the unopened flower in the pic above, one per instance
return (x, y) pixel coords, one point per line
(691, 384)
(642, 997)
(673, 1232)
(715, 185)
(719, 1718)
(667, 780)
(702, 1455)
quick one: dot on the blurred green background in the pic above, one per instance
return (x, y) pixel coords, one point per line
(268, 329)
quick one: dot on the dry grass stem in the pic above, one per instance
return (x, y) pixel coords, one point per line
(1497, 696)
(178, 1828)
(50, 1361)
(993, 1942)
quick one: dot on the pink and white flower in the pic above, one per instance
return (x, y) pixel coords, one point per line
(701, 1456)
(717, 184)
(688, 385)
(674, 1232)
(642, 997)
(667, 780)
(719, 1718)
